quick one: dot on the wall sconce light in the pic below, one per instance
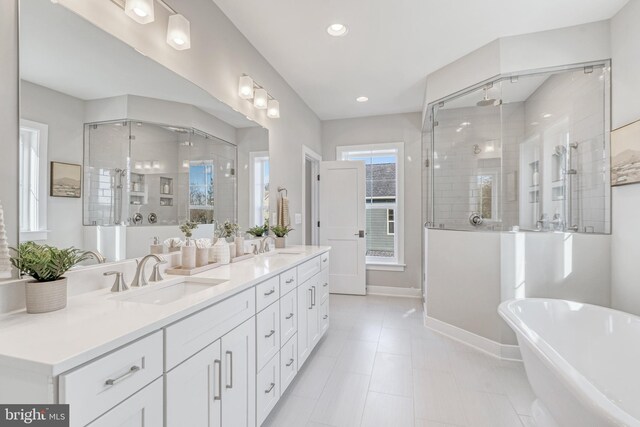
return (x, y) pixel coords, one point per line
(140, 11)
(248, 89)
(245, 87)
(260, 99)
(273, 109)
(179, 32)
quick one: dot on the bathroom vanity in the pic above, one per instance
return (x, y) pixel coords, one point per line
(214, 349)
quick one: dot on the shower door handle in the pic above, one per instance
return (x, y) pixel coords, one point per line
(360, 234)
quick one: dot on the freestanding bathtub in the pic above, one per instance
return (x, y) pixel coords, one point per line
(582, 360)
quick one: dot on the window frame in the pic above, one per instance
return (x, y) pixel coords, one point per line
(343, 152)
(253, 156)
(391, 221)
(35, 232)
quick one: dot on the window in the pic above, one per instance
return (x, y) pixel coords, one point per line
(390, 223)
(201, 191)
(259, 177)
(33, 180)
(384, 165)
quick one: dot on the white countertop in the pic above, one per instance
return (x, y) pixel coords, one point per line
(95, 322)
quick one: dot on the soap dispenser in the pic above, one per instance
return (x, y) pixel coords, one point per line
(156, 247)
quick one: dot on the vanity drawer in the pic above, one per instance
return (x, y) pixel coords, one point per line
(323, 312)
(288, 363)
(188, 336)
(323, 290)
(288, 281)
(324, 260)
(288, 316)
(145, 407)
(267, 334)
(98, 386)
(267, 388)
(267, 293)
(308, 269)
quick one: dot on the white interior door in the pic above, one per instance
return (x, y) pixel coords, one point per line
(342, 224)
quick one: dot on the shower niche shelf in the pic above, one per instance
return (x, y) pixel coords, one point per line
(138, 194)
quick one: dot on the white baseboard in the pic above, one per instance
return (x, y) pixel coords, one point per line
(501, 351)
(394, 291)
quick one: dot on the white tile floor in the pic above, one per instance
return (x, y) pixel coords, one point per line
(379, 366)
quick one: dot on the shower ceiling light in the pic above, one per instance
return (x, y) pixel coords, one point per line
(245, 87)
(465, 124)
(147, 165)
(362, 99)
(273, 109)
(260, 99)
(179, 32)
(546, 115)
(140, 11)
(459, 130)
(337, 30)
(155, 164)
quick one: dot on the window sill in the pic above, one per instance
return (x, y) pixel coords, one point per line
(32, 236)
(386, 267)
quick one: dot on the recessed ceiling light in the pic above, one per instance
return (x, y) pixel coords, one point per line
(465, 123)
(459, 130)
(546, 116)
(362, 99)
(337, 30)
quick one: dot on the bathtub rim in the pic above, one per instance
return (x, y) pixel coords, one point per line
(587, 393)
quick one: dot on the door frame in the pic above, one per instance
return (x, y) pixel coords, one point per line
(314, 215)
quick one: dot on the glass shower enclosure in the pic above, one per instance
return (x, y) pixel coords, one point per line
(527, 151)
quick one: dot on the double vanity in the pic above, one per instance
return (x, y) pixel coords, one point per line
(215, 349)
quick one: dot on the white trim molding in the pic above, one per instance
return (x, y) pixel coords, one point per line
(394, 291)
(485, 345)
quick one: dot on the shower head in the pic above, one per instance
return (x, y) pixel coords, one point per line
(488, 102)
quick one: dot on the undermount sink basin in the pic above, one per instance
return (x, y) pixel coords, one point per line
(154, 294)
(280, 252)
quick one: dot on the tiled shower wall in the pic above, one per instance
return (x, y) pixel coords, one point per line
(457, 165)
(574, 105)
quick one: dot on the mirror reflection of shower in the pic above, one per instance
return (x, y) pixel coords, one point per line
(118, 187)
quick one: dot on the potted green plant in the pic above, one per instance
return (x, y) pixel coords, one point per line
(259, 230)
(188, 251)
(47, 266)
(281, 232)
(228, 230)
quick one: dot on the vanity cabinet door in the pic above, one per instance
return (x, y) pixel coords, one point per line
(143, 409)
(239, 376)
(304, 310)
(308, 326)
(194, 390)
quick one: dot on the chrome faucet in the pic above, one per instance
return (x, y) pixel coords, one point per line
(264, 245)
(139, 280)
(100, 259)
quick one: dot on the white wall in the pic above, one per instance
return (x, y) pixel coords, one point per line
(9, 116)
(64, 116)
(392, 128)
(625, 245)
(219, 54)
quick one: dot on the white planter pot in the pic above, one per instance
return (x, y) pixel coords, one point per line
(43, 297)
(202, 257)
(281, 242)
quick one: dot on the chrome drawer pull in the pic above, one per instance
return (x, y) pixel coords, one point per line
(325, 284)
(219, 364)
(230, 354)
(289, 316)
(313, 296)
(122, 377)
(325, 260)
(272, 291)
(325, 317)
(289, 281)
(270, 334)
(290, 362)
(271, 386)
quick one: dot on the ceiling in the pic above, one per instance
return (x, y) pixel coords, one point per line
(391, 45)
(64, 52)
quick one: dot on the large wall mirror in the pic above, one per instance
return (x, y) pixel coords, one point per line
(116, 150)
